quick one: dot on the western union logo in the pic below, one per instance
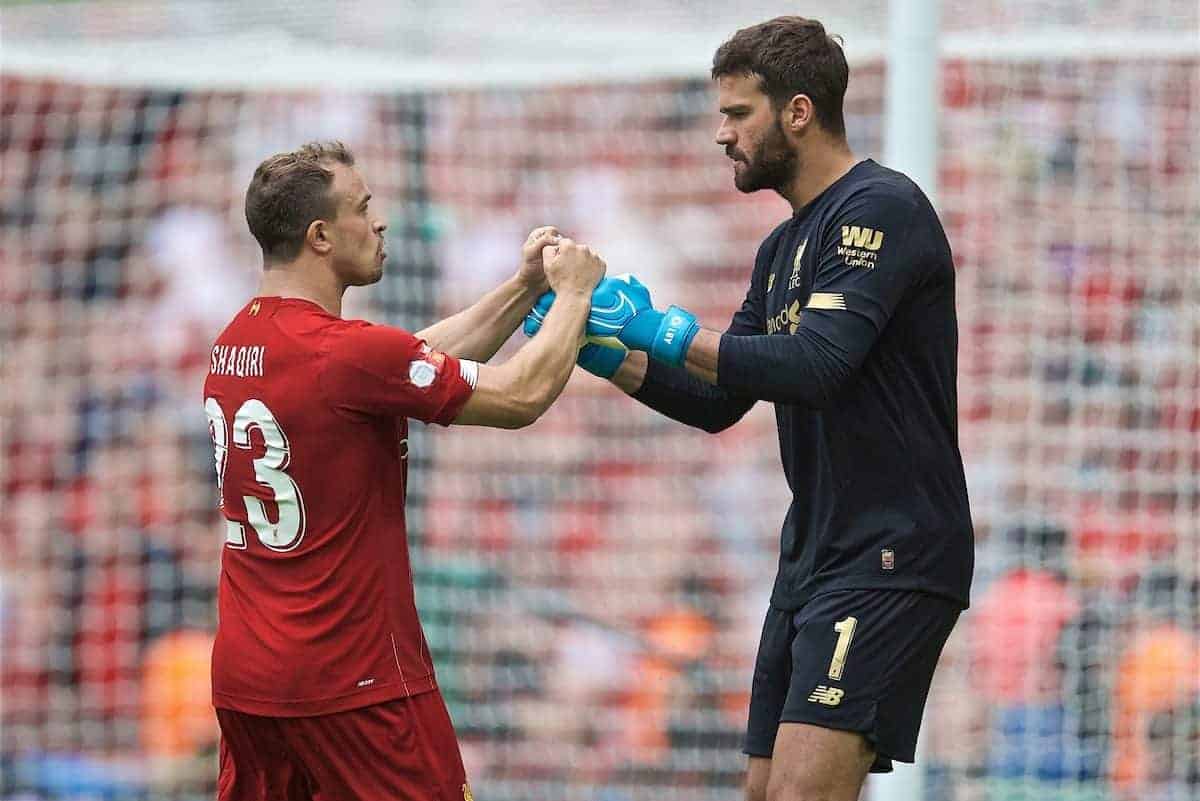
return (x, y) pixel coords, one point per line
(829, 696)
(826, 300)
(854, 236)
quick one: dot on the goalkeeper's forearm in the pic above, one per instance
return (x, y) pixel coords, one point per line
(632, 372)
(672, 392)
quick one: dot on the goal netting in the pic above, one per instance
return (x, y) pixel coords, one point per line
(593, 587)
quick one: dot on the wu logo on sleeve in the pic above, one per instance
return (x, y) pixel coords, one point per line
(860, 246)
(854, 236)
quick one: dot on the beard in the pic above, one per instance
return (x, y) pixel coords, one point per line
(771, 166)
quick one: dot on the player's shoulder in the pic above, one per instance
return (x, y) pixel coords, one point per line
(871, 186)
(295, 318)
(348, 337)
(879, 184)
(373, 346)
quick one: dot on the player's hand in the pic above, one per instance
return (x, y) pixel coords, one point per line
(571, 267)
(600, 357)
(532, 273)
(621, 308)
(616, 302)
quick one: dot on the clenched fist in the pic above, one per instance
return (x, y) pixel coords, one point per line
(571, 267)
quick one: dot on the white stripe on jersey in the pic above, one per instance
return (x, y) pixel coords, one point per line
(469, 371)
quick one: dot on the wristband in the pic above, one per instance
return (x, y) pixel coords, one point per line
(675, 334)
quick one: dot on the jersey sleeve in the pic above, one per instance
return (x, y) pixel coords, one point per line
(378, 370)
(869, 260)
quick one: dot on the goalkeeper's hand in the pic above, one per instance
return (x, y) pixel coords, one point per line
(621, 308)
(600, 357)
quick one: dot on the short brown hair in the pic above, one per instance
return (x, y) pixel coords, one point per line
(791, 56)
(289, 191)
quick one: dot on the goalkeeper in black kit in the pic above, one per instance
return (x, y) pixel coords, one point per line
(849, 328)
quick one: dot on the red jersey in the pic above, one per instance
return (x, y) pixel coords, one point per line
(308, 414)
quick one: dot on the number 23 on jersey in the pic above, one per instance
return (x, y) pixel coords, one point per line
(270, 470)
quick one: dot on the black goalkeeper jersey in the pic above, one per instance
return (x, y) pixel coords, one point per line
(849, 329)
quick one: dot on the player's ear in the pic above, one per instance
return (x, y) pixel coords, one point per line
(317, 237)
(798, 113)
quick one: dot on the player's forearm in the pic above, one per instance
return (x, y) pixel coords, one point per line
(631, 373)
(537, 374)
(804, 368)
(703, 355)
(478, 331)
(672, 392)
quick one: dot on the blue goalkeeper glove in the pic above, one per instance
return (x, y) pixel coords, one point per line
(601, 358)
(621, 309)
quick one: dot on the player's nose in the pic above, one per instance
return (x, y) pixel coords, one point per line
(725, 135)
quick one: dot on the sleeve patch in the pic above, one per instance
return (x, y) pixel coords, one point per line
(422, 373)
(860, 246)
(826, 300)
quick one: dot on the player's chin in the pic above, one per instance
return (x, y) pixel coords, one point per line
(744, 183)
(746, 179)
(370, 275)
(377, 266)
(740, 169)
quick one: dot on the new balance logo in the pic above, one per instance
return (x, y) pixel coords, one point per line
(829, 696)
(854, 236)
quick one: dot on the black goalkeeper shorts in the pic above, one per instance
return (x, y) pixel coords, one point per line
(855, 660)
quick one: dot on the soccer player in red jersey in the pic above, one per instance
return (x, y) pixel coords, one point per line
(322, 680)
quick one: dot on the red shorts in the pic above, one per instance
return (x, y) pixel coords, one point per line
(403, 749)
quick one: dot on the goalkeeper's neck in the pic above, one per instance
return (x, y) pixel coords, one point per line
(819, 163)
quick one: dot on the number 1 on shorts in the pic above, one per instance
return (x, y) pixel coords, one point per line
(845, 632)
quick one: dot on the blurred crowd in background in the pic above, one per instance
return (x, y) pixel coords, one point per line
(593, 587)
